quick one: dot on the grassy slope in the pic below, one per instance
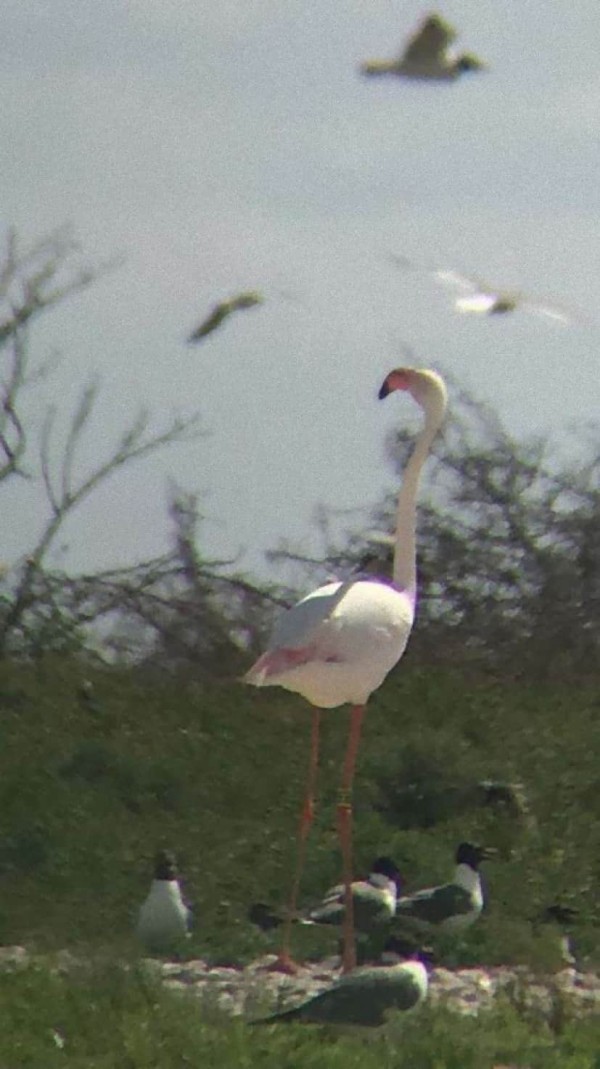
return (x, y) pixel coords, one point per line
(215, 772)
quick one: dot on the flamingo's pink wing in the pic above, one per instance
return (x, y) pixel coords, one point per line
(277, 661)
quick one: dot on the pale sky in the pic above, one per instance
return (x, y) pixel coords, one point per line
(232, 145)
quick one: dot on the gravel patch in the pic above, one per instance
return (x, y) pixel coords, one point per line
(253, 989)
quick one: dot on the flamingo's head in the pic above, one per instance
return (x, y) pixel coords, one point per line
(427, 388)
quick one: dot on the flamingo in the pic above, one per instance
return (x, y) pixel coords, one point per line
(337, 645)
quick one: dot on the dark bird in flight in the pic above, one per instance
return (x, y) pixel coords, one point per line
(222, 311)
(427, 55)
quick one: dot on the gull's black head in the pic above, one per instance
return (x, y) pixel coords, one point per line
(385, 866)
(165, 866)
(263, 916)
(472, 855)
(407, 949)
(469, 62)
(559, 913)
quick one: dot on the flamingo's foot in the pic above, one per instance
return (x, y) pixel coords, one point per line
(284, 963)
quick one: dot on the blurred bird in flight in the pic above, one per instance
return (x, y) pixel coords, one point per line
(427, 55)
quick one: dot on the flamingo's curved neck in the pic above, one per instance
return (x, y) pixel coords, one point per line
(404, 572)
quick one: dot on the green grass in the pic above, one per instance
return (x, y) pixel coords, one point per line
(108, 1018)
(215, 772)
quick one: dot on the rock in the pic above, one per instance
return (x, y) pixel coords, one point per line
(13, 957)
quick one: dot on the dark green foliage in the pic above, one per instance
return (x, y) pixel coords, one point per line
(25, 850)
(139, 784)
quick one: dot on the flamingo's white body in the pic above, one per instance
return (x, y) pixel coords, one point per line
(337, 645)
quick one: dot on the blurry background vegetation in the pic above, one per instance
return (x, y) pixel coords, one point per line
(123, 726)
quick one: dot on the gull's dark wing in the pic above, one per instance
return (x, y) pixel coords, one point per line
(430, 40)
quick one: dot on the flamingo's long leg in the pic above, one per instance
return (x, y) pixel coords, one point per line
(344, 811)
(285, 962)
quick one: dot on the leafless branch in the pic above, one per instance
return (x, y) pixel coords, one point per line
(45, 452)
(36, 277)
(13, 440)
(135, 444)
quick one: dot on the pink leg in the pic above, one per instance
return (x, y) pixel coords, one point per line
(285, 962)
(344, 810)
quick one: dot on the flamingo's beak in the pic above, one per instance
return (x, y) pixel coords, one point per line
(395, 380)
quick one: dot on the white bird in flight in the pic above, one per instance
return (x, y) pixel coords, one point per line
(337, 645)
(478, 297)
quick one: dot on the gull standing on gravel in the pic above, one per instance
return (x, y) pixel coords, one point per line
(451, 907)
(373, 902)
(362, 997)
(164, 920)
